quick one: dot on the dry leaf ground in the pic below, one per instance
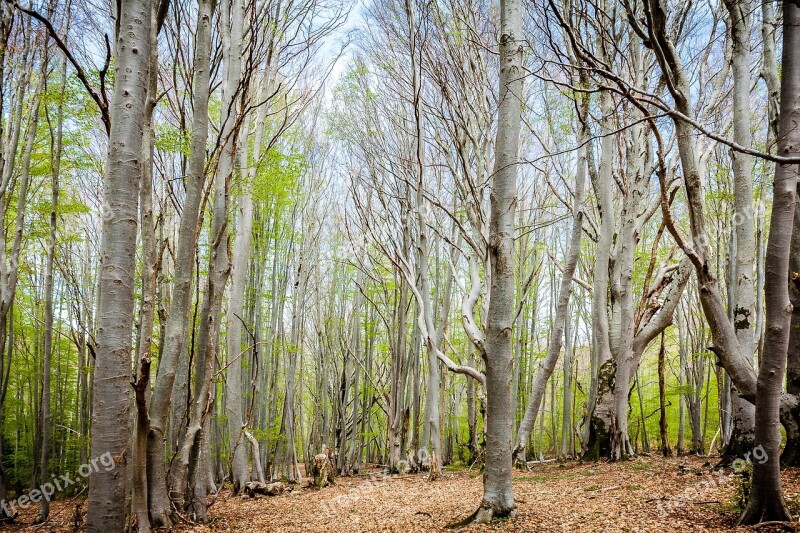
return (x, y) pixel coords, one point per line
(646, 494)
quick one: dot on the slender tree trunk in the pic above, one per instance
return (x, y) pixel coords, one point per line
(547, 365)
(177, 324)
(566, 420)
(498, 494)
(285, 465)
(662, 400)
(397, 385)
(235, 318)
(56, 148)
(743, 287)
(683, 377)
(472, 411)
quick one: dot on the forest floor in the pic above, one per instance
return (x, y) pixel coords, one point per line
(645, 494)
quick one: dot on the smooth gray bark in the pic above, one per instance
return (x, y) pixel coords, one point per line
(112, 390)
(766, 501)
(743, 287)
(177, 323)
(498, 494)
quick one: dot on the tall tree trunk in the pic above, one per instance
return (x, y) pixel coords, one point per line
(791, 420)
(147, 310)
(235, 316)
(44, 508)
(766, 496)
(498, 494)
(597, 443)
(56, 148)
(744, 297)
(195, 447)
(177, 324)
(110, 417)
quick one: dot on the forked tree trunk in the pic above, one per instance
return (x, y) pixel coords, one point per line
(766, 501)
(726, 345)
(599, 416)
(195, 458)
(110, 417)
(177, 323)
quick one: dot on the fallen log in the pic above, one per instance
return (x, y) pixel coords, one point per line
(268, 489)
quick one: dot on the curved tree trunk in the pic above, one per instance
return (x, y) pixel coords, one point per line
(547, 365)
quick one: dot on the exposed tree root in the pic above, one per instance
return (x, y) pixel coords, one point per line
(484, 514)
(785, 526)
(773, 511)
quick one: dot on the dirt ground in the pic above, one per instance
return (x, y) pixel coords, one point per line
(646, 494)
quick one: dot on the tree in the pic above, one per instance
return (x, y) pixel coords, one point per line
(766, 501)
(56, 150)
(498, 494)
(177, 322)
(744, 299)
(570, 265)
(110, 419)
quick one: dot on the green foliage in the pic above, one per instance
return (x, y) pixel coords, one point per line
(170, 139)
(277, 177)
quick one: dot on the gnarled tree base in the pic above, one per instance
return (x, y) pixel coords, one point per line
(599, 444)
(621, 448)
(770, 510)
(162, 518)
(484, 514)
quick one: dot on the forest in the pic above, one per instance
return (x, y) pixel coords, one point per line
(399, 265)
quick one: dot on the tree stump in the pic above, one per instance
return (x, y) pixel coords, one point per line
(323, 471)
